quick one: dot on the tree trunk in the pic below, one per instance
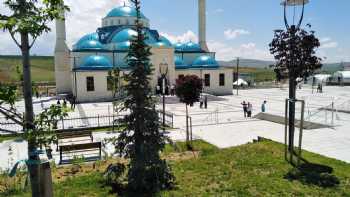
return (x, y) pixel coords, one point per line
(187, 132)
(292, 96)
(33, 167)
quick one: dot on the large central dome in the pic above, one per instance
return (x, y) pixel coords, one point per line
(124, 11)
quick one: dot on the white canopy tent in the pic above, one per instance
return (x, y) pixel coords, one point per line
(240, 82)
(344, 76)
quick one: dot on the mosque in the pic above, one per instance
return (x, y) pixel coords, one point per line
(82, 71)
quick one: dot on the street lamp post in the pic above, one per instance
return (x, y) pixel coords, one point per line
(292, 78)
(163, 69)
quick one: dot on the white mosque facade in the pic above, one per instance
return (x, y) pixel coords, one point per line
(83, 70)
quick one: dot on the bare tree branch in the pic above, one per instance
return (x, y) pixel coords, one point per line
(34, 39)
(9, 131)
(12, 112)
(19, 122)
(14, 39)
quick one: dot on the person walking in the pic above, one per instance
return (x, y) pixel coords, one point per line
(263, 107)
(205, 102)
(245, 107)
(249, 110)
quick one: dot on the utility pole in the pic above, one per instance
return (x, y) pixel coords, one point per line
(237, 74)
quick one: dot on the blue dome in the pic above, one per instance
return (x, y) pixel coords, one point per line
(179, 63)
(89, 45)
(95, 62)
(165, 41)
(191, 46)
(178, 46)
(87, 37)
(124, 11)
(163, 44)
(122, 45)
(124, 35)
(205, 61)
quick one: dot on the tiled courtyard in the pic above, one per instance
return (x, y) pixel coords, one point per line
(224, 125)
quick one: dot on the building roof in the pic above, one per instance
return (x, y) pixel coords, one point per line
(205, 61)
(95, 62)
(124, 11)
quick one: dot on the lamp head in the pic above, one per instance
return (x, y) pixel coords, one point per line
(163, 68)
(294, 2)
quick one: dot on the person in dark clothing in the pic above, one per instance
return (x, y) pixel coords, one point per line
(58, 102)
(205, 102)
(245, 107)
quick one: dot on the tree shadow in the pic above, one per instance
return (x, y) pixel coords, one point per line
(315, 174)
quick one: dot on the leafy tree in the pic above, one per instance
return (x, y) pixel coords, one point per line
(141, 140)
(295, 52)
(29, 18)
(45, 122)
(188, 89)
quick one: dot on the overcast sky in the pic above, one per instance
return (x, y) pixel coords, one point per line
(235, 28)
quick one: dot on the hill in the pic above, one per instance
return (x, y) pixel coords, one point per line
(42, 68)
(252, 63)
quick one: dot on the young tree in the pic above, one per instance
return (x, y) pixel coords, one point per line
(30, 18)
(141, 140)
(295, 53)
(188, 89)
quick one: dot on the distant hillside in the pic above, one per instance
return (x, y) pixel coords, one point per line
(42, 68)
(251, 63)
(248, 63)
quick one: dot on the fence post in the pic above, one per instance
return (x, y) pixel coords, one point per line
(98, 120)
(109, 117)
(172, 120)
(333, 113)
(62, 123)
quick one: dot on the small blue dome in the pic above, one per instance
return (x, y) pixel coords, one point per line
(191, 46)
(87, 37)
(95, 62)
(179, 63)
(89, 45)
(124, 11)
(165, 40)
(205, 61)
(162, 44)
(178, 46)
(124, 35)
(122, 45)
(127, 34)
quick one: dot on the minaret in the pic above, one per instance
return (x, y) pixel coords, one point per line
(62, 61)
(202, 25)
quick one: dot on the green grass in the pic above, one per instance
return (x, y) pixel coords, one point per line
(42, 68)
(250, 170)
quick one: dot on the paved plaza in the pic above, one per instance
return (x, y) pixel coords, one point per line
(224, 125)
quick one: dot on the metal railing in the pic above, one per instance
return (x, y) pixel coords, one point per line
(97, 121)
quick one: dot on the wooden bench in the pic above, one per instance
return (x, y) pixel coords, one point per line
(83, 148)
(72, 135)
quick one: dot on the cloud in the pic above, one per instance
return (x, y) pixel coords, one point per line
(219, 10)
(328, 43)
(186, 37)
(232, 34)
(84, 17)
(248, 50)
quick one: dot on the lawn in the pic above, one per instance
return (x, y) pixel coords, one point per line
(256, 169)
(42, 68)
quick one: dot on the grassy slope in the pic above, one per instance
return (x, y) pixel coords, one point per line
(42, 68)
(248, 170)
